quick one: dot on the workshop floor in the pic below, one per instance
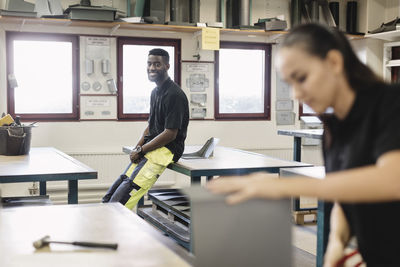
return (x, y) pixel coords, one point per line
(304, 239)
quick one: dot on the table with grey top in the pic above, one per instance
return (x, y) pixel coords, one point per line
(139, 244)
(227, 161)
(298, 134)
(224, 162)
(44, 164)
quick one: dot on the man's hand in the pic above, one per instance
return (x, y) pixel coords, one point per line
(135, 155)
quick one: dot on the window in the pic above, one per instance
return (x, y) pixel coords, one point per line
(242, 84)
(45, 71)
(306, 110)
(133, 84)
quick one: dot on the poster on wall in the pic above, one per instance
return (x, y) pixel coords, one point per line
(198, 113)
(98, 65)
(198, 99)
(98, 107)
(198, 84)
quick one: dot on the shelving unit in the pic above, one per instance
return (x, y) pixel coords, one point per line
(125, 25)
(113, 26)
(388, 62)
(390, 36)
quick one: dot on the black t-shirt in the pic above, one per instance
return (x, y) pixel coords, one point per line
(169, 109)
(371, 129)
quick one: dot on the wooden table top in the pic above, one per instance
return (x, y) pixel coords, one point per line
(138, 243)
(42, 162)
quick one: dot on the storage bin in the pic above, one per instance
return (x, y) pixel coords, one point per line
(15, 140)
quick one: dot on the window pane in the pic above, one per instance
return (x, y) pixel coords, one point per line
(241, 81)
(43, 70)
(307, 109)
(137, 87)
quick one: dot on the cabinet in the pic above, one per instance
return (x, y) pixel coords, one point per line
(391, 61)
(378, 12)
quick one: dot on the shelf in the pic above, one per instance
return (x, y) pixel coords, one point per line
(95, 24)
(386, 36)
(393, 63)
(125, 25)
(115, 25)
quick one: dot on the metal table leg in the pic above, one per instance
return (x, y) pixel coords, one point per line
(323, 226)
(297, 149)
(42, 188)
(296, 157)
(72, 191)
(195, 179)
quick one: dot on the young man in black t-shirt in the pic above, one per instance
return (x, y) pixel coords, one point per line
(163, 139)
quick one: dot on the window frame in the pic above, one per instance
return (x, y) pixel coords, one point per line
(11, 36)
(176, 43)
(266, 115)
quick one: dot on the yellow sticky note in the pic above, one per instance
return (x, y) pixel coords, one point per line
(210, 39)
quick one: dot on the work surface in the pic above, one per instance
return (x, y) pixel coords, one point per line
(43, 163)
(308, 133)
(230, 158)
(229, 161)
(138, 243)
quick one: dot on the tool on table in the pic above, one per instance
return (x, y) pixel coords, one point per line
(18, 120)
(45, 241)
(6, 120)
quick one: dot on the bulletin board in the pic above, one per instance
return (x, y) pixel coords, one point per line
(98, 65)
(98, 107)
(284, 104)
(98, 86)
(198, 84)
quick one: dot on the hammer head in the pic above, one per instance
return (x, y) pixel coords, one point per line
(44, 241)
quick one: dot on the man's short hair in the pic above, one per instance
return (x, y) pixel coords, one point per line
(160, 52)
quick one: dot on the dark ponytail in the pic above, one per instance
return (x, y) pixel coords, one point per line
(318, 40)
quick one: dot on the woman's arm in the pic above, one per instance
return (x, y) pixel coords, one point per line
(339, 236)
(379, 182)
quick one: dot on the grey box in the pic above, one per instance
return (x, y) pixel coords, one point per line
(91, 13)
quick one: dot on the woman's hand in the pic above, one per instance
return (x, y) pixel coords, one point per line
(338, 237)
(334, 253)
(242, 188)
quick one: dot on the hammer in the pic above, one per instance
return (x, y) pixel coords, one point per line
(44, 241)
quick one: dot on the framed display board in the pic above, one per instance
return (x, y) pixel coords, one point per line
(198, 84)
(98, 65)
(99, 107)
